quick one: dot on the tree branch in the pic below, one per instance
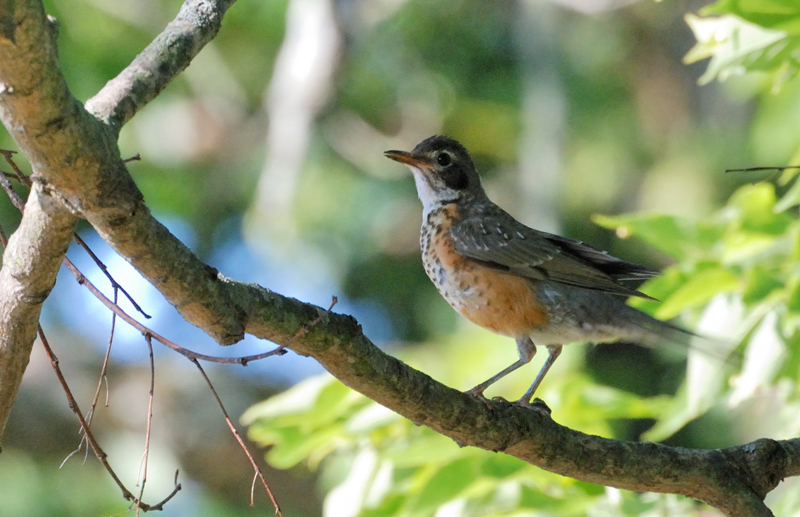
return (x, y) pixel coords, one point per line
(74, 157)
(33, 101)
(92, 179)
(160, 62)
(30, 265)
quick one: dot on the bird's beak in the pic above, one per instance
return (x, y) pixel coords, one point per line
(408, 159)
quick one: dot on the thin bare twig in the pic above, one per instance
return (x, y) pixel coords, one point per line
(88, 437)
(754, 169)
(98, 451)
(104, 368)
(240, 440)
(15, 199)
(146, 454)
(195, 357)
(7, 154)
(158, 337)
(111, 279)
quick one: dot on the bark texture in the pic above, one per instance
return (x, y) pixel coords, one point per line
(78, 172)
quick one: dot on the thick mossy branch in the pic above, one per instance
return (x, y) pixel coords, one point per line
(75, 159)
(76, 164)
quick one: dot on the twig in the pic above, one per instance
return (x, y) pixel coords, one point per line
(7, 154)
(15, 199)
(754, 169)
(104, 269)
(104, 367)
(146, 454)
(239, 439)
(98, 451)
(158, 337)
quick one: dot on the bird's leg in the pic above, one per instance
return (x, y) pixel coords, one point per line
(553, 352)
(526, 350)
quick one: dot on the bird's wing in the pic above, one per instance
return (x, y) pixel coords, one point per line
(499, 241)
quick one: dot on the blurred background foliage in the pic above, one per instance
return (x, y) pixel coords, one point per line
(265, 157)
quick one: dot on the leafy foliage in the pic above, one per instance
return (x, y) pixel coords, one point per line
(377, 463)
(736, 280)
(744, 37)
(737, 276)
(635, 134)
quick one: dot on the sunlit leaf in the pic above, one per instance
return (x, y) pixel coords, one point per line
(370, 418)
(447, 482)
(428, 448)
(761, 282)
(501, 466)
(762, 360)
(767, 13)
(347, 499)
(790, 198)
(331, 403)
(663, 232)
(300, 398)
(742, 245)
(697, 291)
(291, 445)
(736, 46)
(756, 207)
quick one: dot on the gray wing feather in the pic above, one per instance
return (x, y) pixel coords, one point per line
(500, 241)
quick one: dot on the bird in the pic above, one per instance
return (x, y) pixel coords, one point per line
(539, 288)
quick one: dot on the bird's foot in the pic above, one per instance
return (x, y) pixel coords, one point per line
(478, 394)
(536, 404)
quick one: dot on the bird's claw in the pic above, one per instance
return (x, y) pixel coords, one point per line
(480, 396)
(536, 404)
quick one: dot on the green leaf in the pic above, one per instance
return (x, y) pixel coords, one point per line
(447, 483)
(367, 482)
(370, 418)
(663, 232)
(300, 398)
(331, 404)
(790, 198)
(741, 246)
(736, 46)
(761, 282)
(766, 13)
(697, 291)
(637, 506)
(563, 507)
(755, 205)
(427, 448)
(501, 466)
(291, 445)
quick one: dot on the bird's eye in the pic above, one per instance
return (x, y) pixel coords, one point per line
(444, 159)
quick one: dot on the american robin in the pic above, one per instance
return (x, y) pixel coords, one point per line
(540, 288)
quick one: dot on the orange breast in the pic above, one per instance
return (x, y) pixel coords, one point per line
(498, 301)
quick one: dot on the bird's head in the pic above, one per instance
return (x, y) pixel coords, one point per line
(443, 171)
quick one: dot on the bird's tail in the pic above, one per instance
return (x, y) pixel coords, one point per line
(651, 332)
